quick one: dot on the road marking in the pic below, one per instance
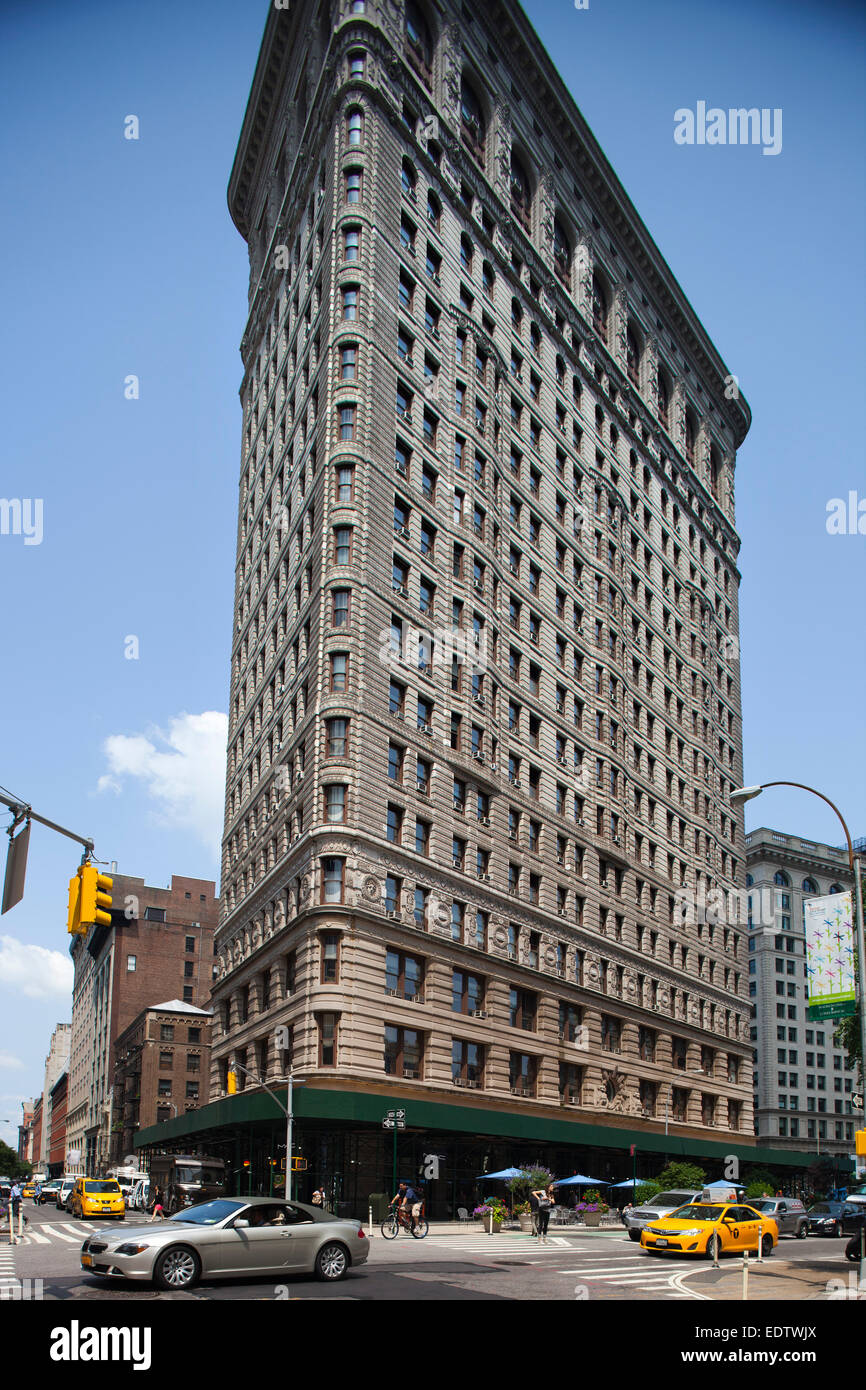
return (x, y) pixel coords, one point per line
(71, 1240)
(36, 1238)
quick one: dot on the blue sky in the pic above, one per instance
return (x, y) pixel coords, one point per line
(120, 258)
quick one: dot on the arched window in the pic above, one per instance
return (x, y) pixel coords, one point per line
(419, 41)
(521, 191)
(354, 126)
(664, 397)
(472, 125)
(809, 885)
(781, 879)
(599, 308)
(690, 433)
(750, 879)
(836, 888)
(561, 253)
(409, 178)
(632, 351)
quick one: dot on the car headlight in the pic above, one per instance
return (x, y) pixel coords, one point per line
(694, 1231)
(130, 1249)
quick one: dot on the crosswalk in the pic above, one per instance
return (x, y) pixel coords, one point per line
(58, 1232)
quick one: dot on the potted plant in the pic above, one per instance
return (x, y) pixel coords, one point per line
(523, 1212)
(491, 1214)
(594, 1208)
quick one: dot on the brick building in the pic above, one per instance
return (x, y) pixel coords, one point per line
(57, 1102)
(159, 946)
(162, 1068)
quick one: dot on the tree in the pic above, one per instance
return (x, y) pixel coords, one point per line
(681, 1175)
(528, 1180)
(10, 1164)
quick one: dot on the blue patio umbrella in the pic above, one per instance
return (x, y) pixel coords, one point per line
(505, 1174)
(629, 1182)
(580, 1180)
(720, 1182)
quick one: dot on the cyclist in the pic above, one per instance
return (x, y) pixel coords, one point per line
(409, 1204)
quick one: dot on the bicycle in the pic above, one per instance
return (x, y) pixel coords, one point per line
(397, 1220)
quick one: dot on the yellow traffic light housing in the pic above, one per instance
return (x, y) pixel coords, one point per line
(860, 1143)
(73, 915)
(95, 896)
(231, 1082)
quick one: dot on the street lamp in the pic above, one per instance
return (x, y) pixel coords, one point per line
(291, 1081)
(743, 794)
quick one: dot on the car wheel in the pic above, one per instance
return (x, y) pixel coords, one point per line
(766, 1245)
(332, 1261)
(852, 1250)
(837, 1230)
(802, 1231)
(714, 1248)
(633, 1234)
(179, 1267)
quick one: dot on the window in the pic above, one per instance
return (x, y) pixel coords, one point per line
(336, 737)
(347, 422)
(342, 545)
(354, 126)
(348, 361)
(131, 962)
(404, 975)
(394, 824)
(350, 302)
(408, 179)
(472, 125)
(332, 880)
(467, 1063)
(356, 63)
(154, 914)
(335, 803)
(330, 957)
(403, 1052)
(351, 243)
(353, 185)
(520, 190)
(599, 308)
(327, 1040)
(344, 476)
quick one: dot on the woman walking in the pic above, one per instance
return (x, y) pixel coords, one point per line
(546, 1201)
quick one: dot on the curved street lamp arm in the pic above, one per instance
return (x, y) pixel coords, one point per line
(815, 792)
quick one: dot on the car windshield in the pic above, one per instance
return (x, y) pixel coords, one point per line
(763, 1205)
(208, 1213)
(107, 1186)
(670, 1199)
(697, 1211)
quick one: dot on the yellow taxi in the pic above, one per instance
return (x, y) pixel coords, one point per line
(28, 1189)
(711, 1228)
(97, 1197)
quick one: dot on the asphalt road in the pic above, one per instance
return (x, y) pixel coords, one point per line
(466, 1265)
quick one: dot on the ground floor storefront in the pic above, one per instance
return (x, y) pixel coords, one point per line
(340, 1146)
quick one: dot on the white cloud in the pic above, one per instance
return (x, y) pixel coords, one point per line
(34, 971)
(182, 768)
(11, 1063)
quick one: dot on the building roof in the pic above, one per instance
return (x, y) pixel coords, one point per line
(177, 1006)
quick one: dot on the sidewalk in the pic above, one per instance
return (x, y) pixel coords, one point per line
(462, 1228)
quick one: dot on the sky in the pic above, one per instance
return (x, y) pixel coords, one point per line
(120, 261)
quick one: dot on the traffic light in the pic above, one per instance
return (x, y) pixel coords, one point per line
(299, 1165)
(73, 916)
(95, 902)
(231, 1081)
(860, 1143)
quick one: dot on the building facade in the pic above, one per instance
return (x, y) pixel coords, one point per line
(485, 701)
(25, 1131)
(159, 945)
(55, 1065)
(162, 1068)
(803, 1081)
(56, 1122)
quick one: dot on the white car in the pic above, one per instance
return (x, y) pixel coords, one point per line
(64, 1192)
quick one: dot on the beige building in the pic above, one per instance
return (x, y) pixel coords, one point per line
(485, 696)
(803, 1081)
(55, 1065)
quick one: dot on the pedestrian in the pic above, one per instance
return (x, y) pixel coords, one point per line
(546, 1199)
(533, 1211)
(157, 1212)
(318, 1198)
(37, 1195)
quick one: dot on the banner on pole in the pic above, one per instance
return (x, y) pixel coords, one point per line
(829, 924)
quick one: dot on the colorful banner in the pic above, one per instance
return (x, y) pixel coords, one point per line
(830, 956)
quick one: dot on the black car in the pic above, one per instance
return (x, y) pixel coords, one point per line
(835, 1218)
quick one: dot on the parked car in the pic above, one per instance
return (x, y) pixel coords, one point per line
(64, 1192)
(97, 1197)
(140, 1196)
(711, 1229)
(49, 1192)
(789, 1214)
(227, 1237)
(834, 1218)
(661, 1205)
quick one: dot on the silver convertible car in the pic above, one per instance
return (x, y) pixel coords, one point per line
(227, 1237)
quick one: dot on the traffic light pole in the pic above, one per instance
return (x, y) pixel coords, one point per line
(16, 859)
(22, 812)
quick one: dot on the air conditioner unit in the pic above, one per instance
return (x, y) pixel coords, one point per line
(299, 776)
(400, 467)
(398, 916)
(404, 532)
(421, 788)
(617, 840)
(426, 729)
(512, 955)
(416, 998)
(563, 912)
(478, 586)
(458, 1081)
(479, 701)
(392, 992)
(485, 820)
(572, 1100)
(459, 805)
(512, 834)
(479, 758)
(516, 783)
(485, 878)
(477, 1013)
(560, 859)
(579, 820)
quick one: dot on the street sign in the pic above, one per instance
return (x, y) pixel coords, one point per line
(16, 868)
(395, 1114)
(393, 1124)
(857, 1102)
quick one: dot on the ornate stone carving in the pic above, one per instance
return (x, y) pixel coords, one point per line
(371, 888)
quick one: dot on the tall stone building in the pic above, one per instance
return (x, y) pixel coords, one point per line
(803, 1081)
(55, 1065)
(485, 701)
